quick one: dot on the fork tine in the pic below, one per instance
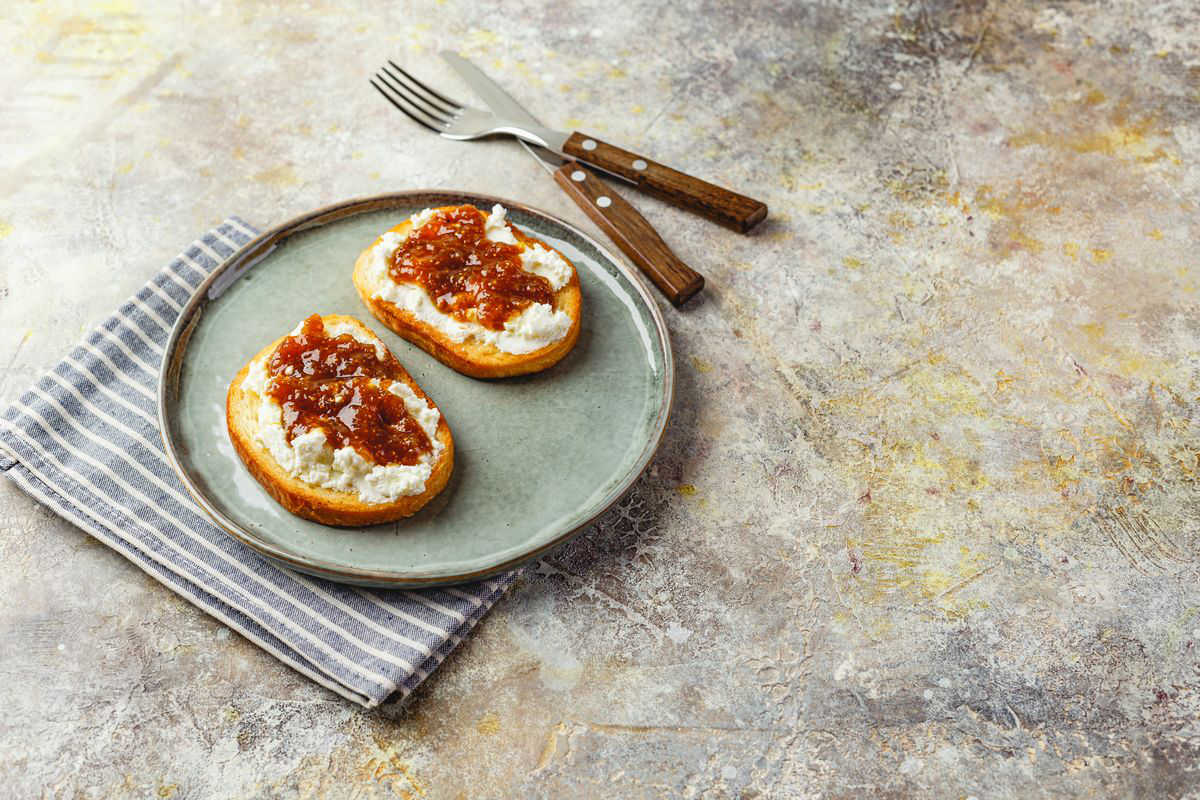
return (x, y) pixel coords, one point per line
(406, 112)
(440, 118)
(454, 106)
(414, 95)
(399, 92)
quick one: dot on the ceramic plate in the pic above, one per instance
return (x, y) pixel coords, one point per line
(537, 458)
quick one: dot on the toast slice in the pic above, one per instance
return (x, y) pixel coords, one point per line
(466, 350)
(310, 499)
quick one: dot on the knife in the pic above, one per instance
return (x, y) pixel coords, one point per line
(613, 214)
(678, 188)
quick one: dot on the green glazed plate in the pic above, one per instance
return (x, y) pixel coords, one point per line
(537, 458)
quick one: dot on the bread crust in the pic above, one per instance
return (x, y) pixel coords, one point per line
(317, 503)
(471, 357)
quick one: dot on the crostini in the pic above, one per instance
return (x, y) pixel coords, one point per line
(335, 429)
(473, 290)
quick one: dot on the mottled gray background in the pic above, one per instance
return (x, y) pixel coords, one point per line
(924, 522)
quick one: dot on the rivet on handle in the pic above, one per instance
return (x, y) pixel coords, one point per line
(578, 175)
(640, 164)
(604, 201)
(589, 144)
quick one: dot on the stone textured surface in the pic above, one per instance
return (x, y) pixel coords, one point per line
(925, 520)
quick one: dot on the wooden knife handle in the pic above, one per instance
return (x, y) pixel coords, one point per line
(730, 209)
(632, 233)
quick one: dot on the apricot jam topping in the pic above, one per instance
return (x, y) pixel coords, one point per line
(333, 383)
(467, 275)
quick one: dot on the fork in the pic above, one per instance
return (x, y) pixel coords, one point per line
(628, 229)
(454, 120)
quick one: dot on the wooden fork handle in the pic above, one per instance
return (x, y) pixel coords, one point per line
(631, 232)
(730, 209)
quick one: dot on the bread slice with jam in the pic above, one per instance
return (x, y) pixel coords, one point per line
(473, 290)
(335, 429)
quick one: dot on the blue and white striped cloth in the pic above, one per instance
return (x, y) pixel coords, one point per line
(84, 440)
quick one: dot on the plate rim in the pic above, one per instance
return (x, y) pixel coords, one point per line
(249, 254)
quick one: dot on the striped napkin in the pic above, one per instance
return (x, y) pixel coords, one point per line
(84, 440)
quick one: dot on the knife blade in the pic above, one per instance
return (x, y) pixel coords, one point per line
(627, 228)
(502, 104)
